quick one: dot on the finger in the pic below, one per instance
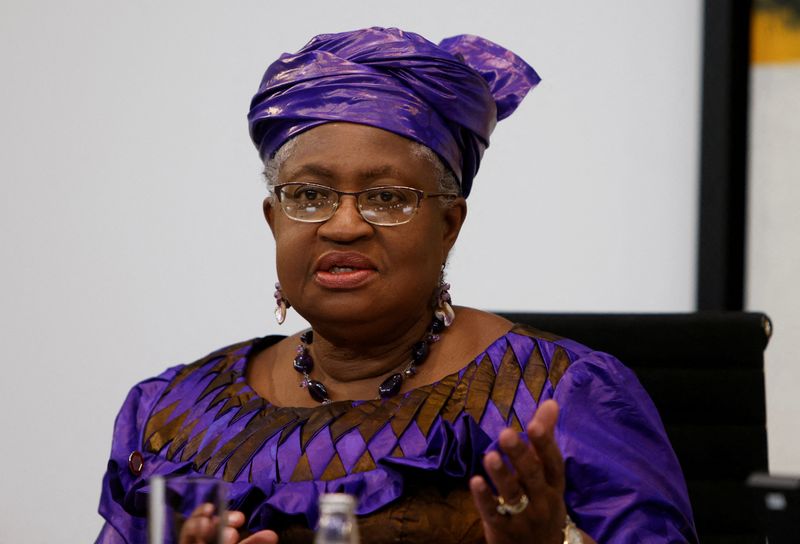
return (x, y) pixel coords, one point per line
(525, 461)
(234, 519)
(541, 432)
(504, 479)
(205, 509)
(484, 500)
(230, 535)
(262, 537)
(197, 529)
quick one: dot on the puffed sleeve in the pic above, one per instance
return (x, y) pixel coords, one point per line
(123, 514)
(624, 483)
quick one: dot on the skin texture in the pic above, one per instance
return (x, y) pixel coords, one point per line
(363, 332)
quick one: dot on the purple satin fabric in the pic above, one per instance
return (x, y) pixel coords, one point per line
(448, 97)
(624, 484)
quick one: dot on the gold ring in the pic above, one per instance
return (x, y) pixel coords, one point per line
(506, 509)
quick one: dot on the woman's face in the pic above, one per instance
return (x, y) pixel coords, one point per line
(345, 270)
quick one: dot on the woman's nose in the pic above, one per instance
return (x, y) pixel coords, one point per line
(346, 224)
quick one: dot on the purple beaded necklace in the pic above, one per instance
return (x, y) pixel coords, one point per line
(304, 363)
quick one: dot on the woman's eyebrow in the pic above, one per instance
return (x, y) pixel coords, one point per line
(314, 170)
(319, 171)
(379, 172)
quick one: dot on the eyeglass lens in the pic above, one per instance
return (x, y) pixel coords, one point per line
(380, 206)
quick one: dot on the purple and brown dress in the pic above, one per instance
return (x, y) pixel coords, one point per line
(407, 459)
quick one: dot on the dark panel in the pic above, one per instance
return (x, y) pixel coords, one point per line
(700, 402)
(708, 339)
(724, 512)
(723, 155)
(719, 452)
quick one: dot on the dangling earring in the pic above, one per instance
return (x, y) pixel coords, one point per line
(444, 312)
(281, 304)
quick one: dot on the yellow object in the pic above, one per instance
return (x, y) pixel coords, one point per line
(775, 37)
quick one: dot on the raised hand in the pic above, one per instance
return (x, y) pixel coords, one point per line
(530, 506)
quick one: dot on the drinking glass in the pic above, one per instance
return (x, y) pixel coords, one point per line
(174, 501)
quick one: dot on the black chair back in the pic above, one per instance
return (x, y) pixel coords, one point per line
(705, 373)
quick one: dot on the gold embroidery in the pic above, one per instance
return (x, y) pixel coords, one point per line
(434, 403)
(479, 389)
(302, 471)
(405, 414)
(535, 373)
(558, 365)
(455, 405)
(505, 386)
(335, 469)
(365, 463)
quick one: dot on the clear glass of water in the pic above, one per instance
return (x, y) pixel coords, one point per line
(176, 505)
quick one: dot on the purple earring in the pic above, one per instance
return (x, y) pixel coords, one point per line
(444, 311)
(281, 304)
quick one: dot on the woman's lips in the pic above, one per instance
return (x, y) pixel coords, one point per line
(344, 270)
(349, 279)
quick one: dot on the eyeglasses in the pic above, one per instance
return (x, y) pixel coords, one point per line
(386, 206)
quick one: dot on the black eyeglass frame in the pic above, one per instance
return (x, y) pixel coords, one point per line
(420, 194)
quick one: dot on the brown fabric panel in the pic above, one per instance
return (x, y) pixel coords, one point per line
(255, 404)
(200, 459)
(456, 402)
(181, 438)
(319, 418)
(335, 469)
(250, 439)
(439, 512)
(230, 394)
(289, 429)
(505, 386)
(261, 419)
(159, 420)
(241, 455)
(379, 418)
(527, 330)
(222, 379)
(237, 401)
(408, 407)
(434, 404)
(354, 417)
(535, 373)
(302, 472)
(194, 443)
(228, 360)
(558, 365)
(397, 452)
(225, 353)
(480, 388)
(165, 434)
(365, 463)
(514, 423)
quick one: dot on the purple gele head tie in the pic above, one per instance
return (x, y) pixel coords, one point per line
(447, 97)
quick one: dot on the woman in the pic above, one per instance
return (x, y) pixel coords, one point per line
(444, 423)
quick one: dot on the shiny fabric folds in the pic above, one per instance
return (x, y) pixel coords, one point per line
(448, 97)
(407, 459)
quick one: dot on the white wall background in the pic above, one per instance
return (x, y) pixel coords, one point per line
(130, 222)
(773, 248)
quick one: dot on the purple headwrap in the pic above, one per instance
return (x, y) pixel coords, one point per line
(448, 97)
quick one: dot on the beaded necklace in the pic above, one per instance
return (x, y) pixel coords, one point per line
(304, 363)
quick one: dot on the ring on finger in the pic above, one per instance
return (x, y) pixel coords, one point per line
(507, 509)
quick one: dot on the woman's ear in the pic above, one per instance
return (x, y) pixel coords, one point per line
(454, 215)
(269, 213)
